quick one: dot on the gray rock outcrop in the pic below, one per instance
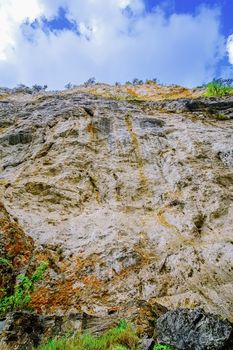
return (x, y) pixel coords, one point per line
(186, 329)
(127, 200)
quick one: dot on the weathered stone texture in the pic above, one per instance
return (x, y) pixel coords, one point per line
(186, 329)
(127, 200)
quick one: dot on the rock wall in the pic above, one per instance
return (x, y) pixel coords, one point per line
(129, 201)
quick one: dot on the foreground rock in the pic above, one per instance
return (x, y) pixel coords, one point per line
(22, 329)
(127, 200)
(27, 330)
(186, 329)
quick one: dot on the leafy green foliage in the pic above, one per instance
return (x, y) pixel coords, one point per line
(162, 347)
(122, 337)
(39, 272)
(5, 262)
(22, 291)
(218, 88)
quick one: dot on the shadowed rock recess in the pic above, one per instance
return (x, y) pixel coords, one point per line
(129, 199)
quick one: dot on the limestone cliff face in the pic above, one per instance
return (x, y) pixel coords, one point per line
(129, 200)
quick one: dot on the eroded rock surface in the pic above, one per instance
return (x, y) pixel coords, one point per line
(128, 200)
(193, 329)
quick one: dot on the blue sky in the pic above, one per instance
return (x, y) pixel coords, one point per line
(53, 42)
(190, 6)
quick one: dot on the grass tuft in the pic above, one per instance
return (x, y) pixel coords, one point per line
(162, 347)
(122, 337)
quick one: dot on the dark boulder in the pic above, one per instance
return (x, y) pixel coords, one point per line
(193, 329)
(20, 329)
(26, 330)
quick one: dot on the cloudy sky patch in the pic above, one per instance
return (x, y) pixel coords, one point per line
(56, 41)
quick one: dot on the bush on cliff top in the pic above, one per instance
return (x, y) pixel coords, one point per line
(219, 87)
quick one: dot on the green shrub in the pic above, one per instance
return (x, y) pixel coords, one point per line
(122, 337)
(5, 262)
(22, 291)
(218, 88)
(162, 347)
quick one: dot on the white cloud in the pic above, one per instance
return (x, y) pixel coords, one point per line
(230, 48)
(114, 46)
(12, 14)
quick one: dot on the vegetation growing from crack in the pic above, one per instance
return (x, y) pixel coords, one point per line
(122, 337)
(23, 288)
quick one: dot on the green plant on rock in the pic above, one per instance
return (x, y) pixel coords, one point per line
(5, 262)
(122, 337)
(24, 286)
(162, 347)
(218, 88)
